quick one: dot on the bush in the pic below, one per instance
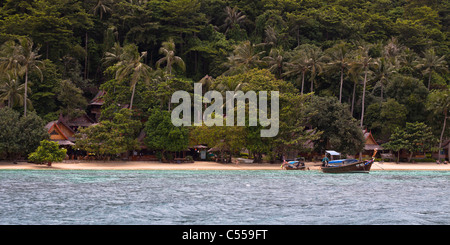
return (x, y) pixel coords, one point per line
(48, 152)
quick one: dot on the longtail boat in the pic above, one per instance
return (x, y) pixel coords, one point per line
(298, 164)
(349, 165)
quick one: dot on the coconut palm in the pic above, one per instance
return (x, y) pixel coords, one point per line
(365, 62)
(383, 71)
(243, 58)
(113, 56)
(439, 103)
(168, 50)
(8, 58)
(102, 7)
(20, 59)
(298, 64)
(131, 67)
(407, 61)
(234, 17)
(431, 62)
(12, 91)
(316, 62)
(354, 73)
(275, 61)
(339, 57)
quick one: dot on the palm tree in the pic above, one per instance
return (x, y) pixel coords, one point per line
(339, 57)
(298, 64)
(431, 62)
(131, 66)
(168, 50)
(393, 50)
(113, 56)
(234, 17)
(408, 60)
(12, 91)
(354, 73)
(243, 58)
(8, 58)
(275, 61)
(439, 103)
(26, 60)
(102, 7)
(316, 58)
(383, 71)
(365, 61)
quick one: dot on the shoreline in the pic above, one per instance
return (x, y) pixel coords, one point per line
(203, 165)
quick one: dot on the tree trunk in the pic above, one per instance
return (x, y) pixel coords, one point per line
(364, 95)
(86, 57)
(353, 97)
(25, 94)
(132, 97)
(303, 80)
(410, 156)
(442, 135)
(342, 83)
(398, 156)
(429, 81)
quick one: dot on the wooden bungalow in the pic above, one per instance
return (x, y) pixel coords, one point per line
(370, 144)
(60, 132)
(95, 105)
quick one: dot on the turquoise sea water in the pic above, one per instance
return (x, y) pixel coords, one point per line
(223, 197)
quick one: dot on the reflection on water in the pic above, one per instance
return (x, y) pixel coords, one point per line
(223, 197)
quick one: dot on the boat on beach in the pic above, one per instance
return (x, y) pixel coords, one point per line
(349, 165)
(298, 164)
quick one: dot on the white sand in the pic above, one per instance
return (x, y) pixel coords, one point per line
(200, 165)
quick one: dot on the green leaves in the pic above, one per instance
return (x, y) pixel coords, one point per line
(162, 135)
(48, 152)
(111, 137)
(19, 135)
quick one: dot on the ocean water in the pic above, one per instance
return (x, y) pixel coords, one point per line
(237, 197)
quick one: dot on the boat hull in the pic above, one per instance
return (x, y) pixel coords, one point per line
(358, 167)
(294, 168)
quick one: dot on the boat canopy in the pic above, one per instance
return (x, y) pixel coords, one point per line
(333, 153)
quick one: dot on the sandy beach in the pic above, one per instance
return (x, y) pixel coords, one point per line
(199, 165)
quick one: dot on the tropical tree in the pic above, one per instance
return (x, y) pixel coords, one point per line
(244, 58)
(364, 61)
(275, 61)
(339, 56)
(316, 62)
(168, 50)
(131, 67)
(439, 103)
(20, 59)
(431, 62)
(111, 137)
(383, 71)
(28, 59)
(8, 58)
(102, 7)
(415, 137)
(234, 17)
(48, 152)
(12, 91)
(114, 55)
(298, 64)
(162, 135)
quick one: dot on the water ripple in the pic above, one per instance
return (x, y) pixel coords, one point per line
(223, 197)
